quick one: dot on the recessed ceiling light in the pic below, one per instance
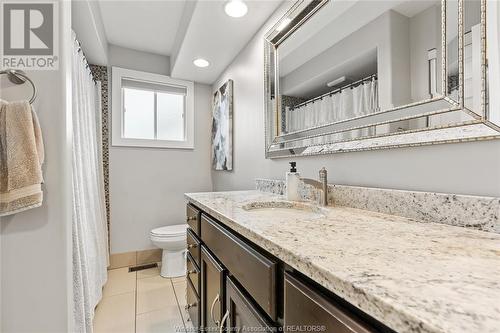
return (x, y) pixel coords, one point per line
(236, 8)
(200, 62)
(286, 21)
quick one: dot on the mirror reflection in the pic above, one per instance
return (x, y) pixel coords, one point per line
(352, 59)
(346, 71)
(471, 53)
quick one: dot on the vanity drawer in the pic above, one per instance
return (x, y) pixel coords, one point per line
(193, 273)
(193, 245)
(254, 271)
(307, 307)
(193, 215)
(193, 305)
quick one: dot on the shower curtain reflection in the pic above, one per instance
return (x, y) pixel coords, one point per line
(351, 102)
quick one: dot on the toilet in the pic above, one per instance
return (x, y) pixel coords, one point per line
(172, 240)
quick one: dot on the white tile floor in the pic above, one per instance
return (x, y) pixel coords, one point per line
(142, 302)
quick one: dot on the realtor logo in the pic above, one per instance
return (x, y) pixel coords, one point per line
(29, 35)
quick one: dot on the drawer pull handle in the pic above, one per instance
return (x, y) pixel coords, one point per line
(216, 299)
(189, 306)
(223, 321)
(191, 218)
(191, 271)
(192, 246)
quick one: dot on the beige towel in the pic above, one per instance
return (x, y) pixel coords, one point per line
(21, 158)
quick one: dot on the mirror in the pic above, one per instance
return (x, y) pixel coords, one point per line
(341, 72)
(492, 66)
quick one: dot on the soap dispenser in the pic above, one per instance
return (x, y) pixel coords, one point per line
(292, 183)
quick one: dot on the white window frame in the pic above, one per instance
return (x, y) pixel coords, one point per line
(117, 118)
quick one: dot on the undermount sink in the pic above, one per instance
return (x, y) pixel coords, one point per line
(285, 209)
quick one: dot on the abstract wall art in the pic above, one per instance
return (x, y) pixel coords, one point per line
(222, 127)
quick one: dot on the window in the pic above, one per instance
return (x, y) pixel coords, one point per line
(151, 110)
(154, 112)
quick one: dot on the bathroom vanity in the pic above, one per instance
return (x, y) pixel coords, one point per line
(234, 283)
(260, 262)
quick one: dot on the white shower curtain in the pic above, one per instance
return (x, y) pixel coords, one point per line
(90, 239)
(345, 104)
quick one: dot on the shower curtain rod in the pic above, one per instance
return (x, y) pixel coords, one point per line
(336, 90)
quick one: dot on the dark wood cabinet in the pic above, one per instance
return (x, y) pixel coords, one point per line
(255, 271)
(212, 291)
(193, 305)
(306, 307)
(193, 273)
(193, 246)
(193, 216)
(242, 314)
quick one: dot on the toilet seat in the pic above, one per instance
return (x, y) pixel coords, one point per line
(170, 231)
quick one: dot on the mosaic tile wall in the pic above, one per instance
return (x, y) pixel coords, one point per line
(288, 101)
(100, 73)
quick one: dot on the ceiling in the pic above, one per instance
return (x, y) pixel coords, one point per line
(149, 26)
(180, 29)
(217, 37)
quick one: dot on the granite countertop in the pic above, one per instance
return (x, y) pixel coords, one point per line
(411, 276)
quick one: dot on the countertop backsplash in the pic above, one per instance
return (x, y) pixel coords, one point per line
(481, 213)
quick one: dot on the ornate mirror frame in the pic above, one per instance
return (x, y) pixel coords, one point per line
(301, 143)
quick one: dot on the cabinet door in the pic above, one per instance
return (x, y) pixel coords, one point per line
(212, 291)
(242, 315)
(305, 307)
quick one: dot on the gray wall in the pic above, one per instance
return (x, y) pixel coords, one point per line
(147, 185)
(35, 252)
(467, 168)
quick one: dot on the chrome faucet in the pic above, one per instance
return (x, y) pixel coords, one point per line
(322, 184)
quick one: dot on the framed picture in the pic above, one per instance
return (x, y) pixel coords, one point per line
(222, 127)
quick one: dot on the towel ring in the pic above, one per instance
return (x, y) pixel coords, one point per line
(19, 77)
